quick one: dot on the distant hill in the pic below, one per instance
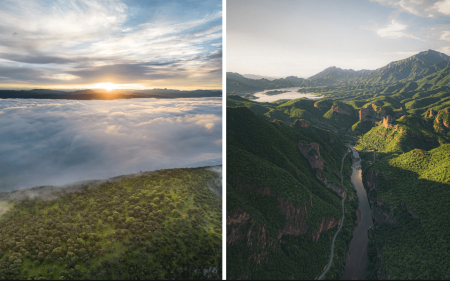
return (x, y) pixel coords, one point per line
(256, 77)
(333, 75)
(427, 69)
(237, 83)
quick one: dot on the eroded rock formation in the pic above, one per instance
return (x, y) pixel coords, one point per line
(340, 110)
(386, 122)
(302, 123)
(257, 235)
(312, 153)
(295, 218)
(324, 226)
(372, 113)
(430, 113)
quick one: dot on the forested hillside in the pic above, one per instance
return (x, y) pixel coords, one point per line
(155, 225)
(284, 198)
(410, 198)
(398, 118)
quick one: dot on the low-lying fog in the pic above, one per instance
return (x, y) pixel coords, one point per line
(55, 142)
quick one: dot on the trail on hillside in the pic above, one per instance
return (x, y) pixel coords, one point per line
(340, 226)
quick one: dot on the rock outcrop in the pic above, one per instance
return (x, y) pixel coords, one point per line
(257, 235)
(340, 110)
(386, 122)
(372, 113)
(324, 226)
(430, 113)
(295, 218)
(302, 123)
(312, 153)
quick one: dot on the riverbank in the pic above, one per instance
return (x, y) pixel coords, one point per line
(356, 258)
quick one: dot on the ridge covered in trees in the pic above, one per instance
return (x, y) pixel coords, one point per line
(155, 225)
(283, 205)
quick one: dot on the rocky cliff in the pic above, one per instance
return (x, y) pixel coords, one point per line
(302, 123)
(312, 153)
(430, 113)
(324, 226)
(372, 113)
(386, 122)
(340, 110)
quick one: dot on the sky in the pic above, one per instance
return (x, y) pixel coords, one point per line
(57, 142)
(60, 44)
(302, 38)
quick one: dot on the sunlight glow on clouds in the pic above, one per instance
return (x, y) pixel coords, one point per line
(55, 142)
(151, 43)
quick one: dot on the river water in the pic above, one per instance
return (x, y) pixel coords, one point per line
(289, 95)
(356, 260)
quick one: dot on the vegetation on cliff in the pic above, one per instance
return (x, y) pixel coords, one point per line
(283, 198)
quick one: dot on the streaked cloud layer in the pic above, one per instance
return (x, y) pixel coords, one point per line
(173, 44)
(294, 37)
(55, 142)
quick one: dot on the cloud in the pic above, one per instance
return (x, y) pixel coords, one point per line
(443, 7)
(422, 8)
(395, 30)
(58, 38)
(445, 36)
(54, 142)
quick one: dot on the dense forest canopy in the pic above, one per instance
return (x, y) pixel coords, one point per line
(155, 225)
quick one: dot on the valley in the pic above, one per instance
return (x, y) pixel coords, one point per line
(397, 118)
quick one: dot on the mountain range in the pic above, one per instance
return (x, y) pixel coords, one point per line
(427, 69)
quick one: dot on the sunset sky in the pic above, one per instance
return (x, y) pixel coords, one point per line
(303, 37)
(116, 44)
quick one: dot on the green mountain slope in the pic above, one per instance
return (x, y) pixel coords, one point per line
(327, 114)
(156, 225)
(410, 198)
(280, 214)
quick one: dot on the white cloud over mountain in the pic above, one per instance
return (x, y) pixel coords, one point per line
(55, 142)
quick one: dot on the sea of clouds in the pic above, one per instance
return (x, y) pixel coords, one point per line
(56, 142)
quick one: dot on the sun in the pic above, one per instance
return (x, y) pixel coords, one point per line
(107, 86)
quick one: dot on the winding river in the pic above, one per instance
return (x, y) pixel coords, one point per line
(356, 260)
